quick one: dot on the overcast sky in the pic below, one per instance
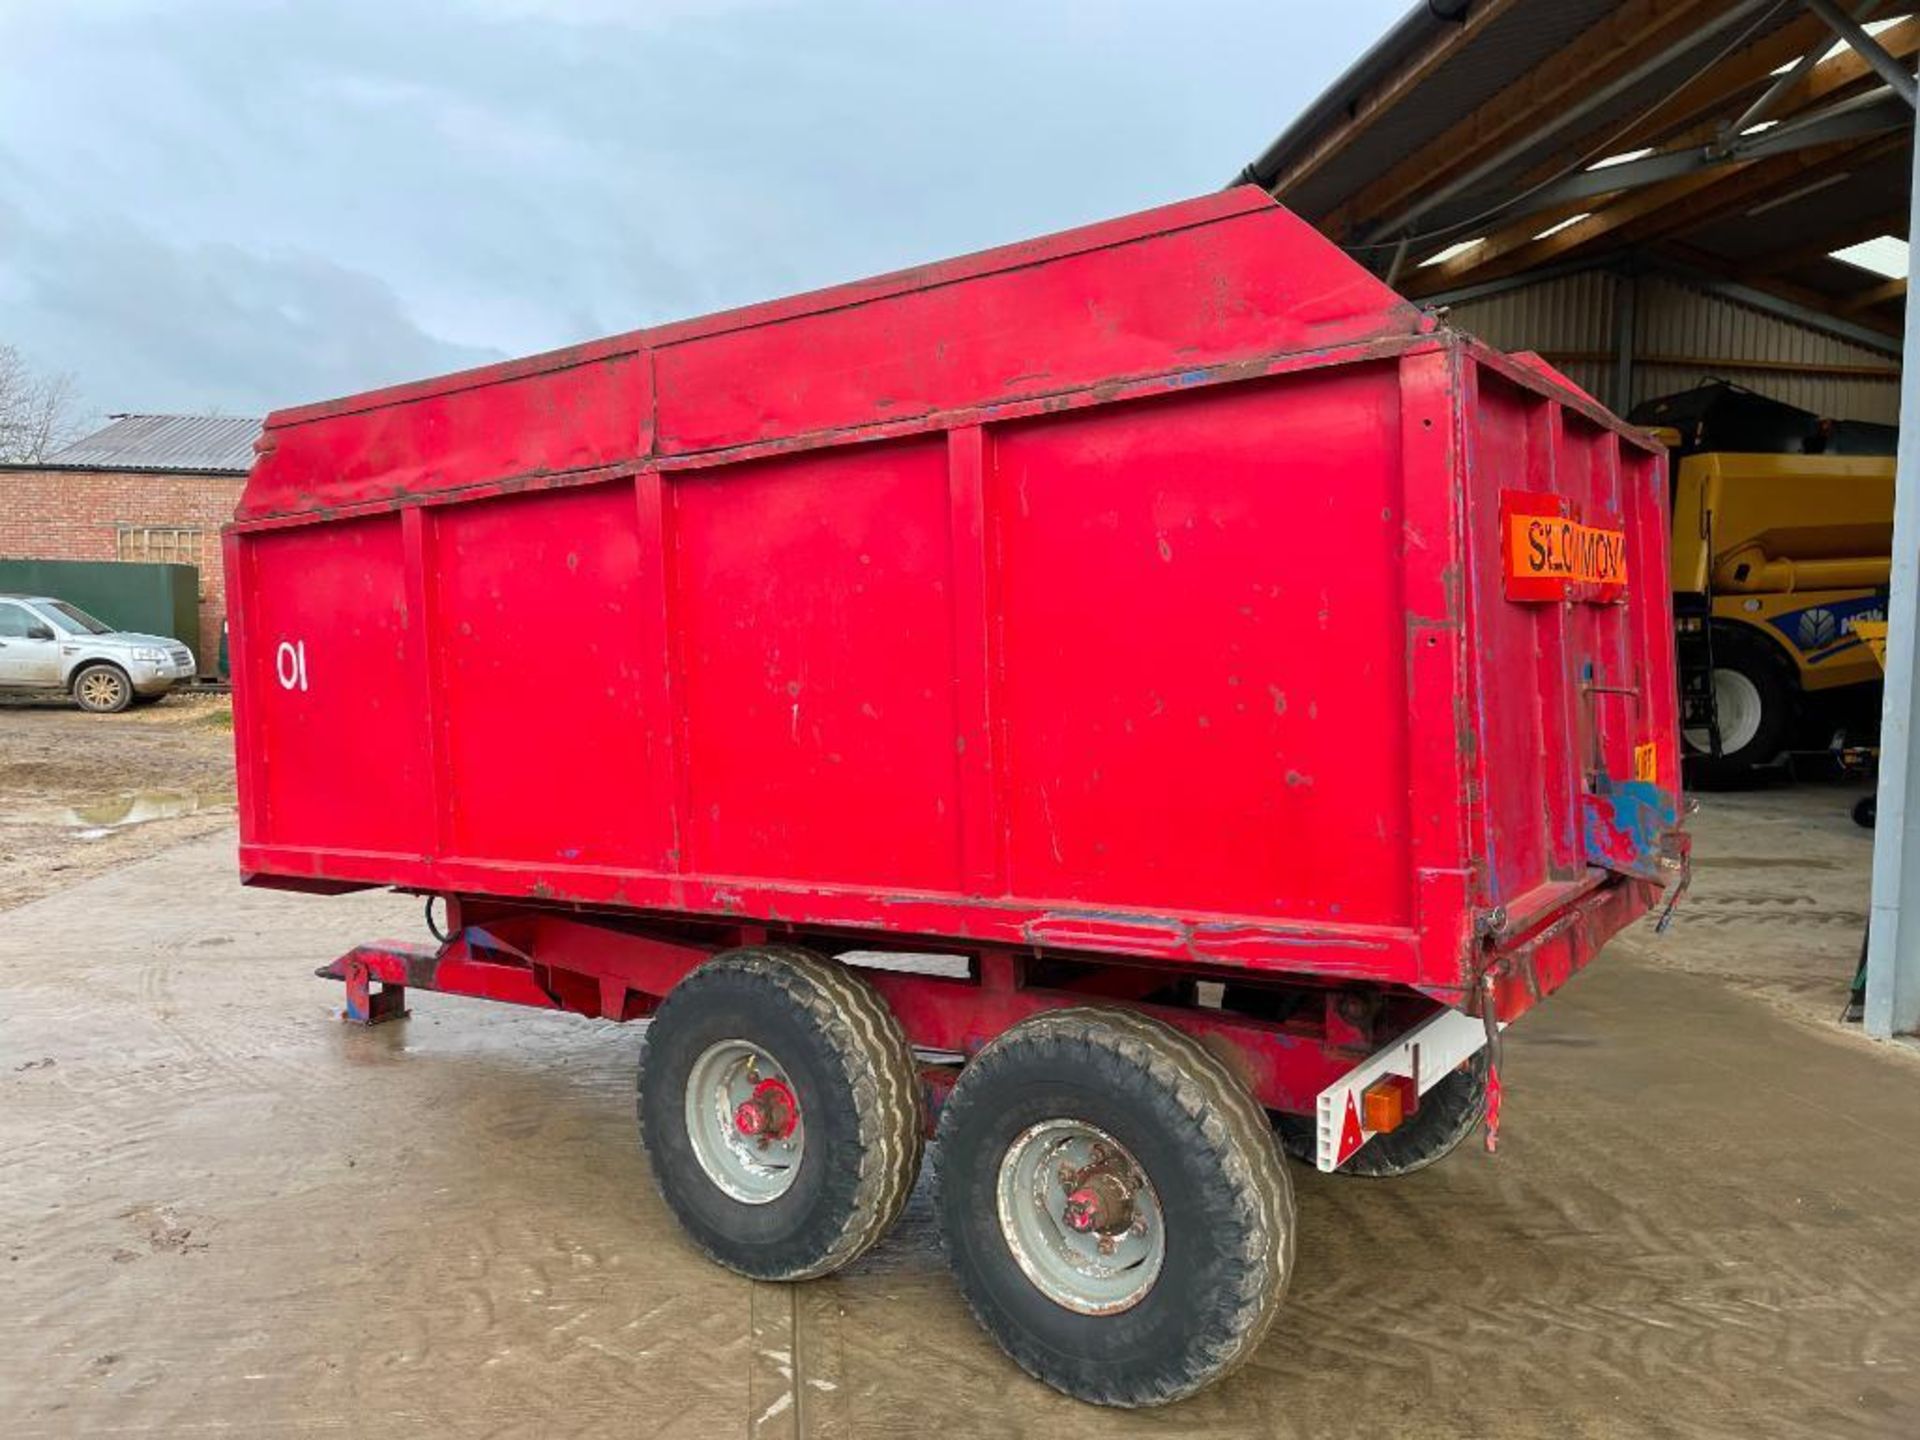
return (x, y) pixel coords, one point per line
(231, 205)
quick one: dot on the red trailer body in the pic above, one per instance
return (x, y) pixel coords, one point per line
(1166, 598)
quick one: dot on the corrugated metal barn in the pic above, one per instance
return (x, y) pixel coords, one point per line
(1681, 332)
(1647, 194)
(1653, 194)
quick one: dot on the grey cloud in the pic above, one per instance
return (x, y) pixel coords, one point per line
(252, 202)
(210, 325)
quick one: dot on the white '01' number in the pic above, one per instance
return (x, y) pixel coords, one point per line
(291, 664)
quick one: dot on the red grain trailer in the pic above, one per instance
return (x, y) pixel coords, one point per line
(1252, 693)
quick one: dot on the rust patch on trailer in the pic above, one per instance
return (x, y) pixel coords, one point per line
(1466, 735)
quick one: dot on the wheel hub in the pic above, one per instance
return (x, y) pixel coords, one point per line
(1080, 1217)
(743, 1121)
(770, 1113)
(1101, 1202)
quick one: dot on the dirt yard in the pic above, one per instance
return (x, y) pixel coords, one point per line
(223, 1212)
(82, 793)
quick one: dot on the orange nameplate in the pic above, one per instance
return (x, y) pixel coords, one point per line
(1547, 553)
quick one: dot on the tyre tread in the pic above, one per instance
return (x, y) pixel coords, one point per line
(1234, 1128)
(873, 1053)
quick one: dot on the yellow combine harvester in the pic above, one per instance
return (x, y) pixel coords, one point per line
(1782, 539)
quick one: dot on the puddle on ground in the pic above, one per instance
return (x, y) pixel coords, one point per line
(105, 814)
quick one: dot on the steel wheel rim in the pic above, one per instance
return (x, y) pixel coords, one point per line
(1738, 707)
(100, 688)
(1087, 1271)
(754, 1169)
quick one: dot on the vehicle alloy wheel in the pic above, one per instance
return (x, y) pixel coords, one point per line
(103, 689)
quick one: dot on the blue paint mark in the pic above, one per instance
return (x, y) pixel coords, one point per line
(1624, 822)
(1192, 377)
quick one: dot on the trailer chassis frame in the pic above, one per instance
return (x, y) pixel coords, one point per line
(1335, 1040)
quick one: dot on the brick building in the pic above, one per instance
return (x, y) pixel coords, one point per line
(146, 488)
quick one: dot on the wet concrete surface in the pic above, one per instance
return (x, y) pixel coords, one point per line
(1779, 900)
(223, 1212)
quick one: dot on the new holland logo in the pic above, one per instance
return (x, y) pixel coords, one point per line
(1817, 629)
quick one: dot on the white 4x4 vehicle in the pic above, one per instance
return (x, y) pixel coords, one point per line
(47, 644)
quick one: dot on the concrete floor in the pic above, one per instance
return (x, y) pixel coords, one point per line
(222, 1212)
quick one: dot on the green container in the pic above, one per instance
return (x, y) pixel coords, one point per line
(149, 599)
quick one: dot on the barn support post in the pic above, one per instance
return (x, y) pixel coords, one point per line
(1893, 946)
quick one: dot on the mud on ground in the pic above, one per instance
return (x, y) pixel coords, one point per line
(81, 794)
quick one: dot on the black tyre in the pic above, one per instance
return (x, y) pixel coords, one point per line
(1114, 1206)
(781, 1111)
(1448, 1114)
(1866, 810)
(1758, 702)
(102, 688)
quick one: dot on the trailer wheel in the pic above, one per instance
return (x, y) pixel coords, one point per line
(1447, 1115)
(781, 1111)
(1114, 1206)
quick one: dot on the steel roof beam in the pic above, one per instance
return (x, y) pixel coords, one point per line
(1695, 37)
(1832, 77)
(1866, 47)
(1763, 105)
(1870, 114)
(1637, 215)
